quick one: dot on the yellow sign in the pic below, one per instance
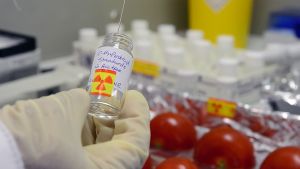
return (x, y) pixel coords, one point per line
(146, 68)
(221, 108)
(103, 82)
(216, 17)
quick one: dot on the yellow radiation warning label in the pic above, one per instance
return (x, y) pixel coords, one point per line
(103, 82)
(223, 108)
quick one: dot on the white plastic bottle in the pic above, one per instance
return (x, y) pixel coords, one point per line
(201, 55)
(227, 78)
(84, 48)
(253, 61)
(144, 49)
(225, 46)
(109, 76)
(228, 67)
(166, 30)
(192, 36)
(174, 58)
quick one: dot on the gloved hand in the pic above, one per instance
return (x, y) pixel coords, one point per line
(48, 133)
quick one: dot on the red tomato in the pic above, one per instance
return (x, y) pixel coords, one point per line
(170, 131)
(177, 163)
(224, 148)
(283, 158)
(191, 110)
(148, 164)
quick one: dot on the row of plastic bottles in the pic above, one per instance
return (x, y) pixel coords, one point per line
(192, 52)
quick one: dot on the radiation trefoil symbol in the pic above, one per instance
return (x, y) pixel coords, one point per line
(217, 5)
(103, 82)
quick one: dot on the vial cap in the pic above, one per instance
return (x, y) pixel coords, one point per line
(113, 28)
(194, 34)
(139, 24)
(166, 29)
(88, 34)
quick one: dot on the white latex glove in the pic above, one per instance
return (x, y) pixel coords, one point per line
(48, 133)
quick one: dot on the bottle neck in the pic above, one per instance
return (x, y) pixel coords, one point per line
(118, 40)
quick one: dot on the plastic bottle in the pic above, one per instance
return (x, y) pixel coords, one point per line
(227, 78)
(174, 57)
(109, 76)
(228, 67)
(201, 55)
(144, 49)
(225, 46)
(254, 61)
(84, 48)
(166, 30)
(193, 35)
(170, 41)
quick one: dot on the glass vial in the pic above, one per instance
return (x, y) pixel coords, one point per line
(109, 76)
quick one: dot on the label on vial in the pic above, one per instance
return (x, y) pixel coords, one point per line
(110, 71)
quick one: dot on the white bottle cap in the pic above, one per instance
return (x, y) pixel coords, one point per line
(88, 34)
(194, 34)
(228, 67)
(225, 45)
(254, 59)
(113, 28)
(166, 29)
(139, 24)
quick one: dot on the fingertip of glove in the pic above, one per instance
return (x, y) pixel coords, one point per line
(80, 93)
(136, 95)
(135, 104)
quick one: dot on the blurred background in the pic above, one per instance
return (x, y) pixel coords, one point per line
(211, 62)
(56, 23)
